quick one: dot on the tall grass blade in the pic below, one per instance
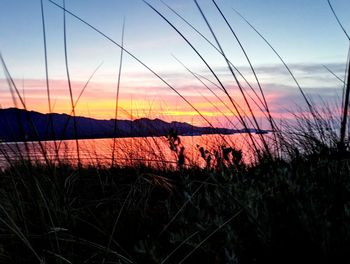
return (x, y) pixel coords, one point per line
(234, 76)
(250, 65)
(50, 121)
(65, 126)
(60, 257)
(345, 110)
(218, 50)
(239, 115)
(335, 75)
(347, 86)
(210, 235)
(16, 230)
(115, 225)
(69, 83)
(304, 96)
(15, 92)
(345, 74)
(281, 59)
(137, 59)
(197, 76)
(117, 95)
(179, 246)
(336, 17)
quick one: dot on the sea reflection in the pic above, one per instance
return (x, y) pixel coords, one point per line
(150, 151)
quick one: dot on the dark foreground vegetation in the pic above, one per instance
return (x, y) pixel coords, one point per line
(291, 205)
(275, 211)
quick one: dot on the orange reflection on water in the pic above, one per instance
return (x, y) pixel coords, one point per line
(150, 151)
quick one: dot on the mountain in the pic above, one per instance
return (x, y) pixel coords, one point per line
(19, 125)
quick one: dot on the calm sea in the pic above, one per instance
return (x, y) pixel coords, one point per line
(154, 151)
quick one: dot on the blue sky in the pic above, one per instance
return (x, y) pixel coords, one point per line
(303, 31)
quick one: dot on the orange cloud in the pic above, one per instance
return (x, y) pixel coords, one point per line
(98, 101)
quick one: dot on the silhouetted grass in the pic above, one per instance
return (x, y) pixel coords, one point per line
(117, 94)
(69, 81)
(273, 211)
(291, 204)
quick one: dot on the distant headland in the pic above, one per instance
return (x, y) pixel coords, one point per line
(22, 125)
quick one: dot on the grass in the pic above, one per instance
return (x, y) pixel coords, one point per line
(291, 204)
(273, 211)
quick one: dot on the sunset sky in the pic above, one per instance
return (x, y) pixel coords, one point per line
(304, 32)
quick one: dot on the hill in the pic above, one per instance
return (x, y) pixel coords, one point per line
(19, 125)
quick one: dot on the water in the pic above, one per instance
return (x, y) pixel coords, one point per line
(152, 151)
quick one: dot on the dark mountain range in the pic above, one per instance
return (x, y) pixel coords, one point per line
(19, 125)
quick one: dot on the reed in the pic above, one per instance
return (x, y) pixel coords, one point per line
(69, 81)
(117, 94)
(284, 206)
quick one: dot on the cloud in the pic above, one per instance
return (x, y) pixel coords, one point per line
(144, 94)
(278, 73)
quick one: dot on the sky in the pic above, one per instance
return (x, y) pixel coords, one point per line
(304, 32)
